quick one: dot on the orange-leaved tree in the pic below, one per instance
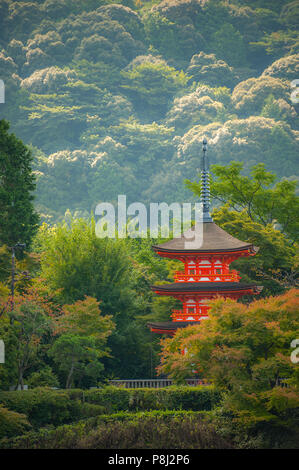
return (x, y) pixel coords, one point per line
(25, 326)
(246, 351)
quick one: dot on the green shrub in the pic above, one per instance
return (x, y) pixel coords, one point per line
(181, 431)
(12, 423)
(156, 429)
(43, 378)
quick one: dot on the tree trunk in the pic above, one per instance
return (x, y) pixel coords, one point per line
(69, 377)
(20, 380)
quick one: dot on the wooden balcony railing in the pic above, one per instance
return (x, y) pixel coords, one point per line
(179, 314)
(153, 383)
(231, 276)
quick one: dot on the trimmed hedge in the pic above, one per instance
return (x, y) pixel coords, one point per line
(124, 430)
(44, 406)
(169, 398)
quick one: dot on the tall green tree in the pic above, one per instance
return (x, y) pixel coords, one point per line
(151, 86)
(17, 182)
(265, 200)
(80, 264)
(24, 330)
(77, 352)
(228, 44)
(76, 357)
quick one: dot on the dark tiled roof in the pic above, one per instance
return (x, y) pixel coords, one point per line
(172, 325)
(205, 287)
(213, 239)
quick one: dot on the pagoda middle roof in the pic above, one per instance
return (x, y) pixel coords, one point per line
(213, 239)
(205, 287)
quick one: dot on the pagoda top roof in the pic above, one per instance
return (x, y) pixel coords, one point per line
(206, 287)
(213, 239)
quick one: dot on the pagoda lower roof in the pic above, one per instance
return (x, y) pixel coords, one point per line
(205, 287)
(170, 325)
(211, 239)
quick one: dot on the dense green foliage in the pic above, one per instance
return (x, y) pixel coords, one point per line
(174, 417)
(84, 303)
(43, 406)
(18, 217)
(118, 274)
(119, 409)
(39, 333)
(128, 89)
(39, 404)
(156, 429)
(12, 423)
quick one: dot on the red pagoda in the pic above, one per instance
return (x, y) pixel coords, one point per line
(206, 272)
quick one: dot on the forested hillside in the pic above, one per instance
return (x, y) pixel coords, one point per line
(114, 98)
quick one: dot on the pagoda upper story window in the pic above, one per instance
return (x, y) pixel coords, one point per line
(205, 271)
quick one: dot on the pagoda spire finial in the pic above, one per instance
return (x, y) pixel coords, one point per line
(205, 184)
